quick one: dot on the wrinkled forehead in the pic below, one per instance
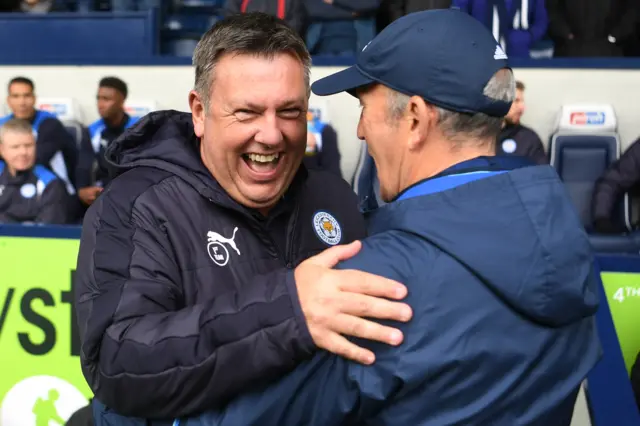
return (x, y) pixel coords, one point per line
(12, 138)
(269, 81)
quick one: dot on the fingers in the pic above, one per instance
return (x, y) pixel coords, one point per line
(339, 345)
(364, 306)
(357, 327)
(332, 256)
(365, 283)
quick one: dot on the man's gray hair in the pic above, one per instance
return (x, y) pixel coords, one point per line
(15, 125)
(252, 33)
(479, 126)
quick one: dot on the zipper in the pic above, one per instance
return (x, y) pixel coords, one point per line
(291, 231)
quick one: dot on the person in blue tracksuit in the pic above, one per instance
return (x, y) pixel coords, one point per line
(498, 266)
(55, 148)
(516, 24)
(92, 174)
(29, 192)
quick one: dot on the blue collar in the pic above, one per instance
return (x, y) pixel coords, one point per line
(464, 172)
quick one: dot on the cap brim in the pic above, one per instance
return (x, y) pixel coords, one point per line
(344, 81)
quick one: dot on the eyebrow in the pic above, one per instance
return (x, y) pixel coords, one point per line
(287, 104)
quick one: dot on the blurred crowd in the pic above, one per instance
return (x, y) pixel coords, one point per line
(525, 28)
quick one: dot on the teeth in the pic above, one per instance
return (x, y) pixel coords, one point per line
(263, 158)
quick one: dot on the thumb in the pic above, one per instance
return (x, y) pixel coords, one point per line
(332, 256)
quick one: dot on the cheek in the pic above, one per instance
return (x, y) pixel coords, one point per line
(295, 132)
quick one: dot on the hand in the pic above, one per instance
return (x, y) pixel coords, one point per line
(334, 303)
(89, 194)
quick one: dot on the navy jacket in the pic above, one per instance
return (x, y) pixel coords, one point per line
(33, 196)
(500, 277)
(184, 297)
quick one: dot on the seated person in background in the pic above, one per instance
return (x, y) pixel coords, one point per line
(498, 266)
(621, 177)
(29, 193)
(340, 27)
(55, 148)
(322, 146)
(291, 11)
(92, 174)
(516, 139)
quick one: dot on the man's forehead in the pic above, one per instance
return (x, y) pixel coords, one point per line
(19, 88)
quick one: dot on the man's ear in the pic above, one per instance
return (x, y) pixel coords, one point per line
(421, 116)
(198, 112)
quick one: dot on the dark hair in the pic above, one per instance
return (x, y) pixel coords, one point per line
(114, 83)
(253, 33)
(520, 85)
(21, 80)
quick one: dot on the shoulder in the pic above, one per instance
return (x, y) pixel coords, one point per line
(96, 126)
(121, 200)
(529, 132)
(5, 119)
(329, 183)
(44, 175)
(393, 254)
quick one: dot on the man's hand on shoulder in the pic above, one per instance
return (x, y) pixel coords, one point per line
(335, 303)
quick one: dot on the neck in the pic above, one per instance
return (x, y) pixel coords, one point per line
(425, 166)
(116, 120)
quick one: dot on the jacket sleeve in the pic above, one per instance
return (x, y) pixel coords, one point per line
(231, 7)
(145, 353)
(464, 5)
(330, 151)
(625, 27)
(618, 179)
(558, 25)
(396, 9)
(54, 205)
(86, 160)
(53, 137)
(541, 21)
(358, 6)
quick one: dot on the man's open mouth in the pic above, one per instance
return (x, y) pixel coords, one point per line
(262, 163)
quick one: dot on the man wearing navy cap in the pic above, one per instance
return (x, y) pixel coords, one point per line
(496, 261)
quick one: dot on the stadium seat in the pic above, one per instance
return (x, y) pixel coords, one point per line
(66, 109)
(139, 108)
(76, 130)
(584, 144)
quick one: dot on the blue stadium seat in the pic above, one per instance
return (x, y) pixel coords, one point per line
(584, 144)
(76, 130)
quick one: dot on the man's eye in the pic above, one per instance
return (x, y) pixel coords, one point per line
(290, 113)
(244, 114)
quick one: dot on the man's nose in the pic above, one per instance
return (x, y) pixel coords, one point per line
(269, 132)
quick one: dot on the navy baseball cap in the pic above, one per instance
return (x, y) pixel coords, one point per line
(444, 56)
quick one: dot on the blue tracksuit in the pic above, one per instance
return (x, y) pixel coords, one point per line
(500, 278)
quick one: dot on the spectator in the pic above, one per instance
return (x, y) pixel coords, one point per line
(583, 28)
(516, 24)
(516, 139)
(622, 176)
(340, 27)
(322, 146)
(291, 11)
(29, 193)
(93, 174)
(498, 265)
(55, 148)
(399, 8)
